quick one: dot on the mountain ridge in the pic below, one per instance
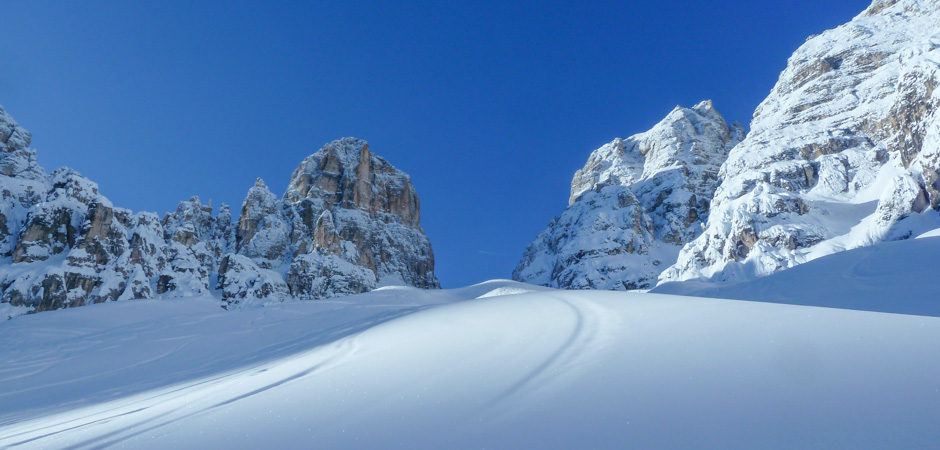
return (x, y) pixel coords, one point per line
(843, 153)
(64, 244)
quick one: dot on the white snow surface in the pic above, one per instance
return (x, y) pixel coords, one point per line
(408, 368)
(893, 277)
(931, 233)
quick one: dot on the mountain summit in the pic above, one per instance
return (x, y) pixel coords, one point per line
(632, 206)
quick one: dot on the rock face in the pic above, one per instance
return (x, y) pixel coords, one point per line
(633, 205)
(357, 206)
(843, 153)
(349, 222)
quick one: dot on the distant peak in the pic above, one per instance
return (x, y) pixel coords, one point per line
(705, 105)
(260, 183)
(348, 149)
(348, 141)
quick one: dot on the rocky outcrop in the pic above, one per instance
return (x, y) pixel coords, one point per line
(374, 209)
(633, 205)
(349, 222)
(316, 275)
(843, 153)
(242, 283)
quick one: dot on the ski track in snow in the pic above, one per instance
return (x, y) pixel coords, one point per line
(151, 412)
(418, 369)
(591, 325)
(588, 324)
(77, 345)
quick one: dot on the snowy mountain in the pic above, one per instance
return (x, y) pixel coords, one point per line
(633, 205)
(728, 350)
(349, 222)
(843, 153)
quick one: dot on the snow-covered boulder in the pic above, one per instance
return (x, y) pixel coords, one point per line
(843, 153)
(632, 206)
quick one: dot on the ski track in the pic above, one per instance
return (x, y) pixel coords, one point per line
(551, 366)
(592, 324)
(135, 413)
(199, 368)
(153, 411)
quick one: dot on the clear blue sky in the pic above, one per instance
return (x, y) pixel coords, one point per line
(490, 107)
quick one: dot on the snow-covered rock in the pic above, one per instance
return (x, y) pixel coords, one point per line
(347, 224)
(263, 230)
(843, 153)
(374, 213)
(242, 282)
(317, 275)
(633, 204)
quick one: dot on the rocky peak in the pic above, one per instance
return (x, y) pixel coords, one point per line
(16, 158)
(345, 173)
(842, 153)
(695, 140)
(348, 222)
(264, 230)
(192, 222)
(225, 214)
(634, 202)
(258, 204)
(69, 186)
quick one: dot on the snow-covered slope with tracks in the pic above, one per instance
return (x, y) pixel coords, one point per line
(500, 364)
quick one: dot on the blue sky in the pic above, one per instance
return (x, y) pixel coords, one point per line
(490, 107)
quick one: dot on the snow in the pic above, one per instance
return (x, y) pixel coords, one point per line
(931, 233)
(892, 277)
(528, 368)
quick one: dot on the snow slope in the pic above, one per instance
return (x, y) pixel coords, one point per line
(888, 277)
(500, 364)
